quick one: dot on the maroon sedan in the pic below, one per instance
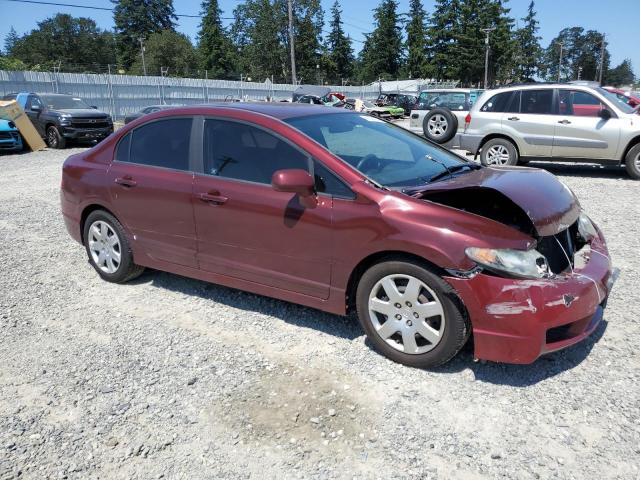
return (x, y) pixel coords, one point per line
(344, 212)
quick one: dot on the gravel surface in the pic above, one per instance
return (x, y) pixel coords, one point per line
(168, 377)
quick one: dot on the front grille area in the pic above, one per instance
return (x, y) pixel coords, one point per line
(8, 135)
(560, 249)
(89, 123)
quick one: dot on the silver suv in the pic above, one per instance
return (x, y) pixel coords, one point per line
(547, 122)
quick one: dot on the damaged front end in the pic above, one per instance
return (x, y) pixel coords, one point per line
(526, 303)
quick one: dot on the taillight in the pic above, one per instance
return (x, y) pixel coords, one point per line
(467, 120)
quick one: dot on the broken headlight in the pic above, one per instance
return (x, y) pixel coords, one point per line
(513, 263)
(586, 229)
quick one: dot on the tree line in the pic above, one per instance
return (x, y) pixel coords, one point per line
(446, 44)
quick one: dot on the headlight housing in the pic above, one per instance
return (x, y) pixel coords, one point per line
(65, 119)
(586, 229)
(512, 263)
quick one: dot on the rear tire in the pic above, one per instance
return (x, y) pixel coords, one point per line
(499, 152)
(108, 248)
(409, 314)
(440, 125)
(632, 162)
(54, 139)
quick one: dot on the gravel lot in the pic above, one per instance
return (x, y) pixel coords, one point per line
(168, 377)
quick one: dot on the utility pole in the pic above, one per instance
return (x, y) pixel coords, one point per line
(601, 60)
(144, 66)
(487, 31)
(560, 62)
(291, 43)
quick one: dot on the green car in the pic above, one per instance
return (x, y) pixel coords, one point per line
(383, 112)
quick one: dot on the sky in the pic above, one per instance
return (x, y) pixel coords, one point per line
(618, 20)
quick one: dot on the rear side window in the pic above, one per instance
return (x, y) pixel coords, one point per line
(537, 102)
(498, 103)
(327, 182)
(243, 152)
(122, 151)
(164, 143)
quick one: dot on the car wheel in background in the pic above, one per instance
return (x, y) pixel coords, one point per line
(440, 125)
(108, 248)
(632, 162)
(499, 152)
(54, 139)
(409, 314)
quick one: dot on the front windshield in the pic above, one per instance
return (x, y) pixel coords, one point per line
(62, 102)
(613, 98)
(388, 154)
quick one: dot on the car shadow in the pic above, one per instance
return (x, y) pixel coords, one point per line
(348, 328)
(586, 170)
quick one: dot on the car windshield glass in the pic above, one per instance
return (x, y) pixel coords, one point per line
(613, 98)
(63, 101)
(388, 154)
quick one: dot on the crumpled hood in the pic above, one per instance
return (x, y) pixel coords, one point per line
(82, 112)
(548, 203)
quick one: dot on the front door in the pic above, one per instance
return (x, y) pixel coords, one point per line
(248, 230)
(580, 130)
(151, 190)
(34, 115)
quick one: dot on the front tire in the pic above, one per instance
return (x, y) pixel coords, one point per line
(54, 139)
(409, 314)
(499, 152)
(632, 162)
(108, 248)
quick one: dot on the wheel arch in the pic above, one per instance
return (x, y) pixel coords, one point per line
(499, 135)
(632, 143)
(87, 210)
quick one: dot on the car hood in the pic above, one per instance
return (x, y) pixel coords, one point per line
(82, 112)
(7, 126)
(532, 200)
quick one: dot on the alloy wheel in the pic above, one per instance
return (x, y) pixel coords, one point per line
(52, 137)
(104, 246)
(498, 155)
(406, 314)
(437, 125)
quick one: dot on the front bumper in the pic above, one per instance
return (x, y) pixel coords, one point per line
(516, 321)
(13, 144)
(86, 133)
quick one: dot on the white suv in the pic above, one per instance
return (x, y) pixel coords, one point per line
(546, 122)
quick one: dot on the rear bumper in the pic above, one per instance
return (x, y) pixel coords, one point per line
(516, 321)
(470, 143)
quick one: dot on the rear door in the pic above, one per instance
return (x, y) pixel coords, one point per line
(529, 118)
(151, 190)
(580, 130)
(248, 230)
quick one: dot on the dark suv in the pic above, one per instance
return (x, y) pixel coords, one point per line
(59, 118)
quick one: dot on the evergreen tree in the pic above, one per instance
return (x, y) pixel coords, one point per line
(444, 31)
(416, 40)
(168, 50)
(214, 45)
(138, 19)
(528, 46)
(10, 41)
(308, 23)
(381, 55)
(340, 60)
(621, 75)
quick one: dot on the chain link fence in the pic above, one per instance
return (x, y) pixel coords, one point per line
(120, 95)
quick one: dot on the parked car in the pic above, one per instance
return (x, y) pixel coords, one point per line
(399, 100)
(439, 114)
(387, 112)
(549, 122)
(627, 97)
(10, 139)
(59, 118)
(145, 111)
(341, 211)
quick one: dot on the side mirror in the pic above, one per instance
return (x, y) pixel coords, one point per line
(94, 107)
(605, 114)
(35, 108)
(296, 181)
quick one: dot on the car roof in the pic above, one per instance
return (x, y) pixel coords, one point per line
(448, 90)
(279, 110)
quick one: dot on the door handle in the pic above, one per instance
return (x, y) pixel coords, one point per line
(513, 119)
(214, 198)
(126, 181)
(564, 122)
